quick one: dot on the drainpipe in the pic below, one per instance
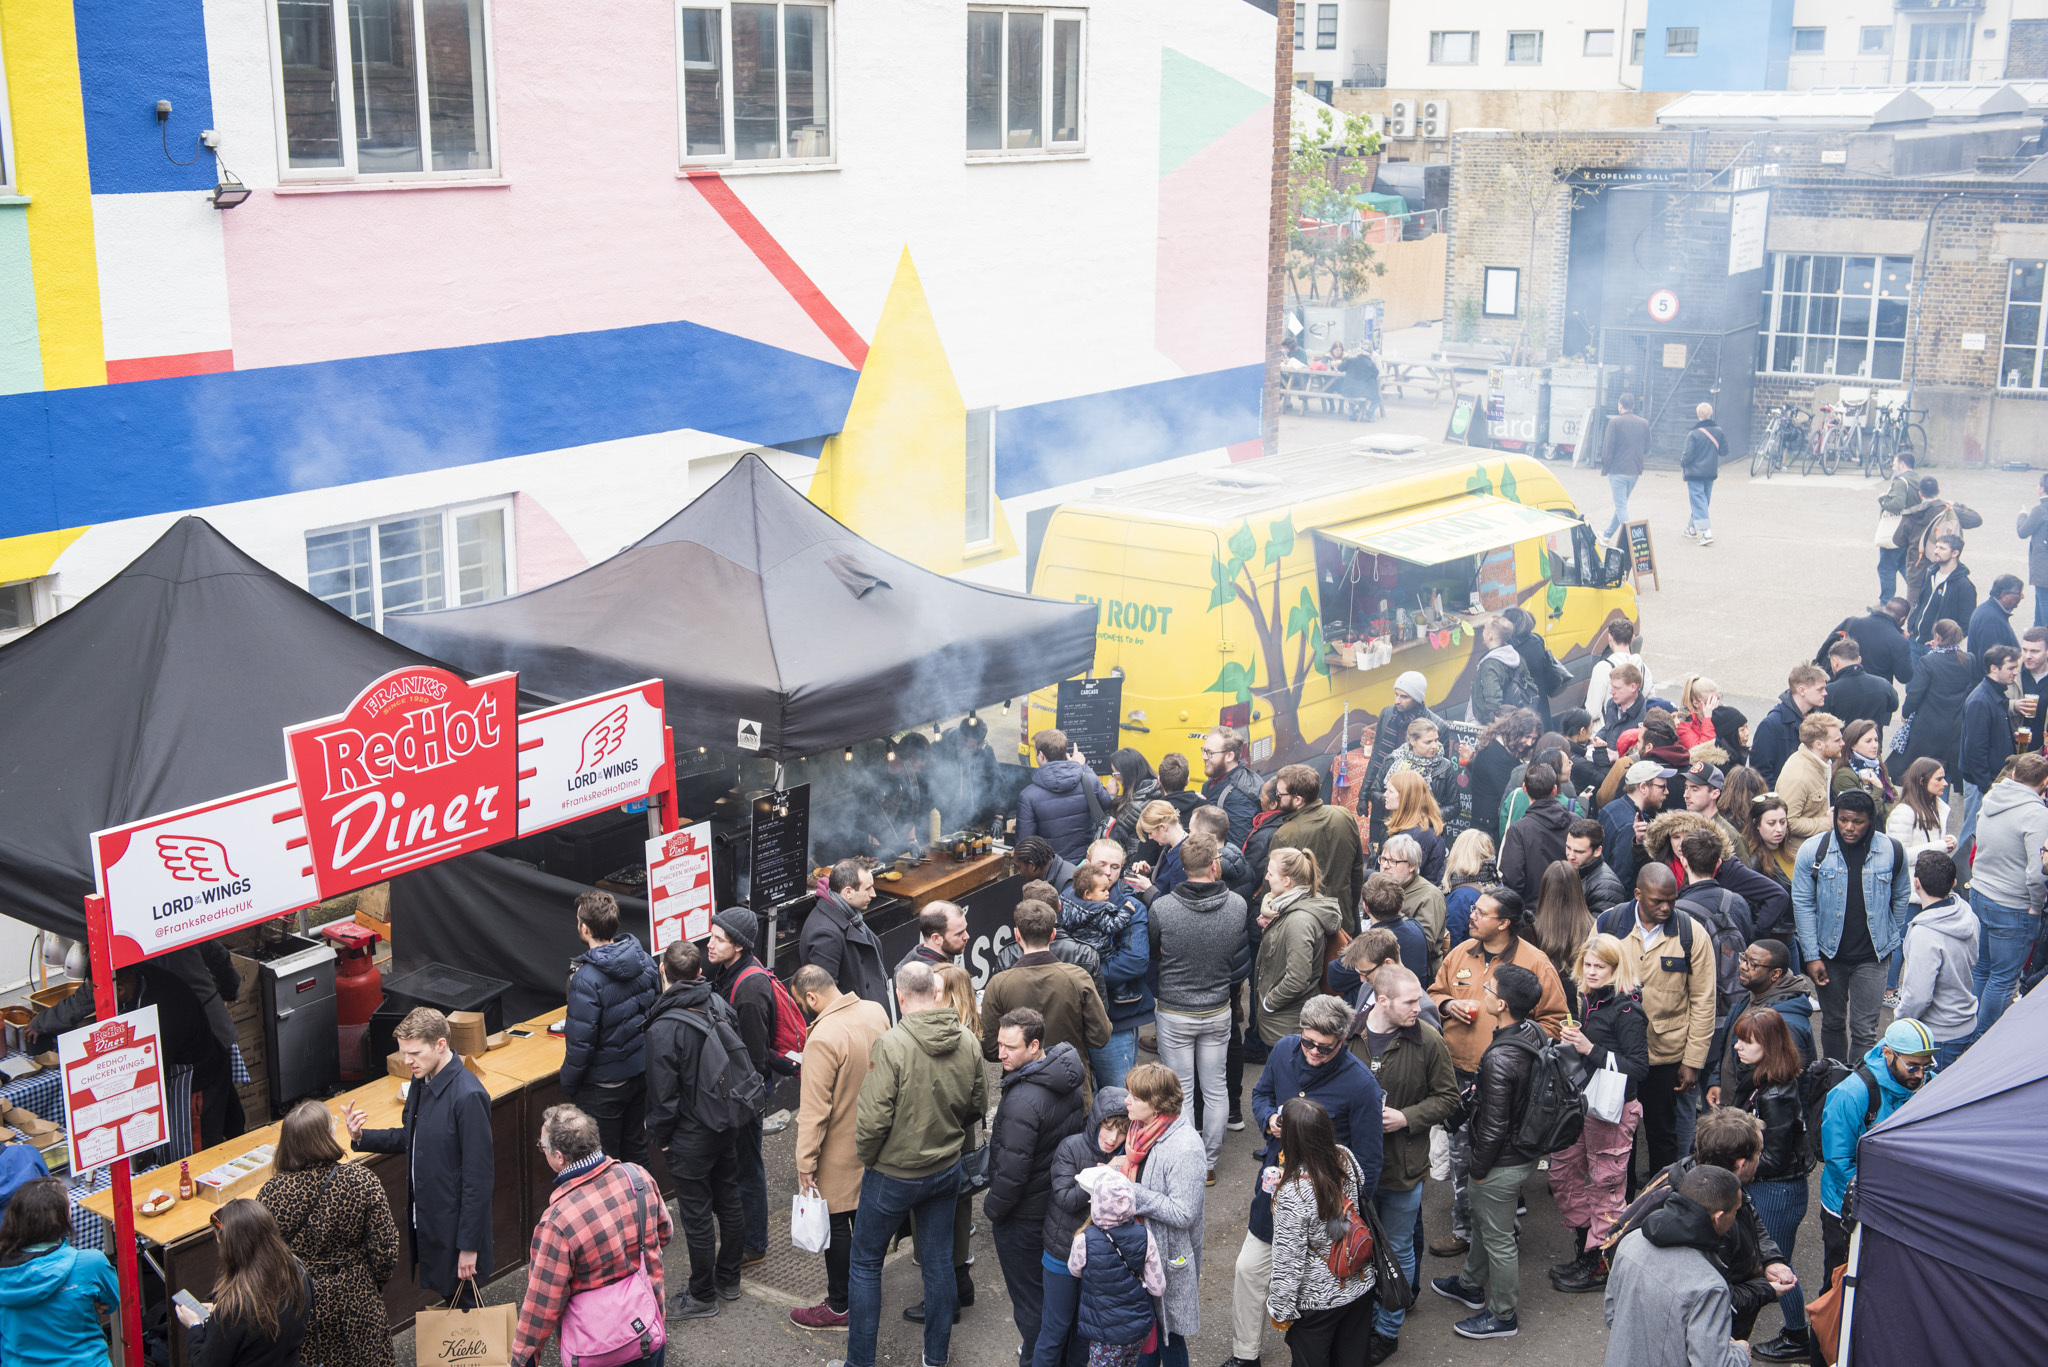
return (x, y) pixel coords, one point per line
(1919, 291)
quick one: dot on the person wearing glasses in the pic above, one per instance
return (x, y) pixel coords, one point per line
(1421, 900)
(1895, 1068)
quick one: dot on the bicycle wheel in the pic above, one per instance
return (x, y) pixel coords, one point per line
(1914, 439)
(1760, 459)
(1809, 456)
(1831, 451)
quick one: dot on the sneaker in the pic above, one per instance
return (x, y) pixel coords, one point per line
(1380, 1348)
(1891, 999)
(1234, 1361)
(1690, 531)
(915, 1313)
(1706, 538)
(1212, 1178)
(1235, 1123)
(1589, 1273)
(729, 1293)
(1789, 1346)
(819, 1316)
(1487, 1325)
(1453, 1288)
(1450, 1246)
(751, 1256)
(775, 1122)
(684, 1306)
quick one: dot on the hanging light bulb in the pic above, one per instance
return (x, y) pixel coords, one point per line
(937, 730)
(849, 754)
(1006, 707)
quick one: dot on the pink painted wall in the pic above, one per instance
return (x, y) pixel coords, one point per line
(594, 231)
(546, 552)
(1210, 295)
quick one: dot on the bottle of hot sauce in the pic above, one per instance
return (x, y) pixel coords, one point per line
(184, 1180)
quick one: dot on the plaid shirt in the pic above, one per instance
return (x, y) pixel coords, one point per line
(586, 1239)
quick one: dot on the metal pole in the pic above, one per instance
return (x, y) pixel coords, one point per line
(1919, 289)
(1849, 1296)
(105, 1007)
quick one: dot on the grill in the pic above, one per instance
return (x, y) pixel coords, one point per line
(301, 1037)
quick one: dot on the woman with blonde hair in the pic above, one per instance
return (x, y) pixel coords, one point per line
(1412, 810)
(1698, 696)
(335, 1216)
(1468, 871)
(956, 990)
(1294, 923)
(1589, 1178)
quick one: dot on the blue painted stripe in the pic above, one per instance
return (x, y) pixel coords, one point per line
(78, 456)
(1041, 445)
(132, 53)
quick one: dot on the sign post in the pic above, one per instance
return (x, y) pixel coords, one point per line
(1090, 713)
(1642, 556)
(100, 942)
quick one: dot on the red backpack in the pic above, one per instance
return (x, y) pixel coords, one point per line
(790, 1033)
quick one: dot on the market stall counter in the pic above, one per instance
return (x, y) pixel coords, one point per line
(523, 1079)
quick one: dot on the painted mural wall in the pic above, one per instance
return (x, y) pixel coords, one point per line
(575, 317)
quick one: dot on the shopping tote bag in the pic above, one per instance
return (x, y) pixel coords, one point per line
(810, 1223)
(1607, 1092)
(482, 1337)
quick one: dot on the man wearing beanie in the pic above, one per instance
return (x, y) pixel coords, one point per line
(1392, 733)
(738, 976)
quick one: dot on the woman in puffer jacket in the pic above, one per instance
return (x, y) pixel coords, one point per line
(1768, 1087)
(1589, 1177)
(1324, 1314)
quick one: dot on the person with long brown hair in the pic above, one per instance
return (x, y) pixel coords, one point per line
(1328, 1318)
(51, 1294)
(1767, 844)
(1562, 924)
(263, 1297)
(1920, 821)
(1412, 810)
(335, 1217)
(1768, 1066)
(1507, 739)
(1862, 766)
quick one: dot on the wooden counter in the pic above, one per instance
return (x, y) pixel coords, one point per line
(944, 880)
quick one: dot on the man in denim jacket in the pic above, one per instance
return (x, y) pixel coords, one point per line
(1852, 894)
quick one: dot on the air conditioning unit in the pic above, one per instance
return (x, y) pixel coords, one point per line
(1401, 119)
(1436, 118)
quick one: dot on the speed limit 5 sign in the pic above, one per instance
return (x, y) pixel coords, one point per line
(1663, 306)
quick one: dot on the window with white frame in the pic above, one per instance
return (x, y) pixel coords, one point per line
(6, 135)
(1681, 42)
(1453, 47)
(1835, 315)
(2019, 364)
(1875, 39)
(1525, 48)
(377, 89)
(756, 82)
(981, 476)
(1809, 39)
(1326, 28)
(1024, 71)
(1636, 42)
(446, 557)
(24, 604)
(1599, 42)
(1301, 28)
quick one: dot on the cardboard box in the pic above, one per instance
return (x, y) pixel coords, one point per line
(397, 1067)
(466, 1033)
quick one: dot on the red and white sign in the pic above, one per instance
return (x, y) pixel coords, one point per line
(113, 1080)
(189, 875)
(679, 885)
(422, 767)
(1663, 306)
(590, 755)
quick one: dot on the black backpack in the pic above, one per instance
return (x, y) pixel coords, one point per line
(1555, 1115)
(729, 1092)
(1729, 928)
(1518, 689)
(1820, 1078)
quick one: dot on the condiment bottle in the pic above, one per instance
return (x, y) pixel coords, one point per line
(184, 1180)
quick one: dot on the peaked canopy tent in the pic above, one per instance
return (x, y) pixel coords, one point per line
(1952, 1192)
(774, 627)
(169, 686)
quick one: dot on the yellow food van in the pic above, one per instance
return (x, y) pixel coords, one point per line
(1285, 595)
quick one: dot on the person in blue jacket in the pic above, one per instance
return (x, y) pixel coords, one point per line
(51, 1294)
(612, 985)
(1064, 802)
(1852, 894)
(1899, 1064)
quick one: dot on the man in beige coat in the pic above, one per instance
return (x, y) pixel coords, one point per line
(1805, 780)
(843, 1030)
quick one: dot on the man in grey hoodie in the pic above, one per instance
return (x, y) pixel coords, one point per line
(1197, 933)
(1667, 1303)
(1940, 954)
(1503, 678)
(2011, 828)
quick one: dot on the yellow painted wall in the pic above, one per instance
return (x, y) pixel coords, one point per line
(48, 115)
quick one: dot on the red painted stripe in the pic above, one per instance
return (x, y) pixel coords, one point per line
(1247, 450)
(166, 367)
(787, 273)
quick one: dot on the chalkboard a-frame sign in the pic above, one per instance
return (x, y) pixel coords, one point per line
(1642, 556)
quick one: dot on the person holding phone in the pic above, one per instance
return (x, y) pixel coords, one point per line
(264, 1298)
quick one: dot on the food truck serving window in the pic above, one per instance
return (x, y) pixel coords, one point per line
(1449, 529)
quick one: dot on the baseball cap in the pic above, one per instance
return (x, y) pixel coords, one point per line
(1705, 773)
(1908, 1036)
(1643, 770)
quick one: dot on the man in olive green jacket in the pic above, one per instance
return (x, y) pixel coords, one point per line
(925, 1087)
(1329, 833)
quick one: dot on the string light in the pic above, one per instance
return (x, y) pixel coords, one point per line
(849, 754)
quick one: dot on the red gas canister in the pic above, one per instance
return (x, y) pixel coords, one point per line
(358, 990)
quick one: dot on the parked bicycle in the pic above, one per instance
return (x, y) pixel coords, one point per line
(1898, 429)
(1784, 438)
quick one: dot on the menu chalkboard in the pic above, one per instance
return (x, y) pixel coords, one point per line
(1464, 410)
(1090, 712)
(1642, 557)
(780, 847)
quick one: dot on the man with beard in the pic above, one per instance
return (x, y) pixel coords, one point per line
(1885, 1080)
(1228, 783)
(1626, 820)
(1777, 735)
(1765, 972)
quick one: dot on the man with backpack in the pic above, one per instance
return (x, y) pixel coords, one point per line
(1764, 977)
(1851, 895)
(1724, 912)
(773, 1030)
(1502, 1157)
(843, 1032)
(1671, 954)
(702, 1093)
(1894, 1069)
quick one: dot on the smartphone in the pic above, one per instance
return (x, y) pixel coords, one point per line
(516, 1033)
(190, 1302)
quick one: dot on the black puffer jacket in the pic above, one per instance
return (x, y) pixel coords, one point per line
(673, 1045)
(1500, 1097)
(1603, 890)
(1237, 793)
(1617, 1026)
(1042, 1104)
(1785, 1156)
(611, 986)
(1067, 1209)
(1124, 830)
(1706, 446)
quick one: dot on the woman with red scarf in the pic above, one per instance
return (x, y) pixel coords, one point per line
(1164, 1155)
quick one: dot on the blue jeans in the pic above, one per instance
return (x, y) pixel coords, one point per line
(1058, 1344)
(1781, 1206)
(1698, 492)
(1946, 1054)
(2005, 936)
(1620, 487)
(1890, 560)
(884, 1200)
(1114, 1059)
(1973, 799)
(753, 1187)
(2041, 605)
(1400, 1212)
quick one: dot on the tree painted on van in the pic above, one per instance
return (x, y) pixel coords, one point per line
(1235, 580)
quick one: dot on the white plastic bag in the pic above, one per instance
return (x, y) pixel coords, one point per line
(1607, 1092)
(810, 1223)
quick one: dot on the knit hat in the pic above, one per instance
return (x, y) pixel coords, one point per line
(741, 927)
(1413, 684)
(1113, 1203)
(1909, 1037)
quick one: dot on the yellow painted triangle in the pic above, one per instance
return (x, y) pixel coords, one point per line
(896, 473)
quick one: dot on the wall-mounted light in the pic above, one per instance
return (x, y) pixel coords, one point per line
(229, 192)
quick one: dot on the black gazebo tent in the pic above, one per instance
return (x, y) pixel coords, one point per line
(774, 627)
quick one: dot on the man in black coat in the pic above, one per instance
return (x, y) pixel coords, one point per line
(1228, 783)
(1948, 592)
(1043, 1101)
(604, 1065)
(1537, 838)
(1855, 692)
(449, 1163)
(1882, 634)
(1582, 846)
(1991, 624)
(838, 939)
(703, 1162)
(749, 989)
